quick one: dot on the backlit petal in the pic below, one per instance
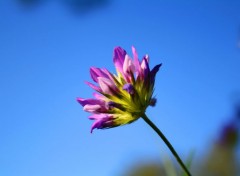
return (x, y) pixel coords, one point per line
(118, 58)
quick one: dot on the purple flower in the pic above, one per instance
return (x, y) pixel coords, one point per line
(123, 97)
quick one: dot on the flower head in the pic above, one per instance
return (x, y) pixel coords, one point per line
(123, 97)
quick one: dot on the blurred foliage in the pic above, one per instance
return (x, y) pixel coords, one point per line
(220, 158)
(146, 169)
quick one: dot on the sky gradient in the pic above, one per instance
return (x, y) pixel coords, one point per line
(45, 55)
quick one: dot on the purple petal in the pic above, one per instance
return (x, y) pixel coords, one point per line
(154, 72)
(111, 104)
(153, 102)
(129, 88)
(109, 75)
(118, 58)
(97, 72)
(97, 116)
(98, 96)
(99, 124)
(147, 58)
(106, 85)
(144, 63)
(91, 108)
(81, 101)
(93, 86)
(84, 102)
(155, 69)
(136, 60)
(102, 121)
(128, 65)
(145, 68)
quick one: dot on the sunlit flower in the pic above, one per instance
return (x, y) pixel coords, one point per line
(123, 97)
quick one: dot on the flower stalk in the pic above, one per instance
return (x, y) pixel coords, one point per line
(123, 98)
(165, 140)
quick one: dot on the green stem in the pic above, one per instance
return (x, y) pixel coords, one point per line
(169, 145)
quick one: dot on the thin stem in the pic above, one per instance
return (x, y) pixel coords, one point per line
(169, 145)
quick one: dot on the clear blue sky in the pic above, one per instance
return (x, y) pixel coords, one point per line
(45, 55)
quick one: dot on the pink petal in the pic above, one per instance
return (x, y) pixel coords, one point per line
(106, 85)
(136, 60)
(93, 86)
(97, 72)
(91, 108)
(99, 96)
(128, 65)
(90, 101)
(102, 121)
(145, 67)
(118, 58)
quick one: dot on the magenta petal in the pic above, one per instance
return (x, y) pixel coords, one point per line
(97, 116)
(81, 101)
(93, 73)
(118, 58)
(128, 65)
(106, 85)
(144, 64)
(109, 75)
(101, 121)
(93, 86)
(97, 72)
(91, 108)
(97, 124)
(145, 67)
(136, 60)
(84, 102)
(98, 96)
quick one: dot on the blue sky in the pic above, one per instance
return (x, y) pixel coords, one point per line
(45, 55)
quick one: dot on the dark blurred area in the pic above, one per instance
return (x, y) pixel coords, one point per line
(220, 159)
(76, 6)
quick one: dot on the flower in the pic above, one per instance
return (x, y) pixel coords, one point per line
(123, 97)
